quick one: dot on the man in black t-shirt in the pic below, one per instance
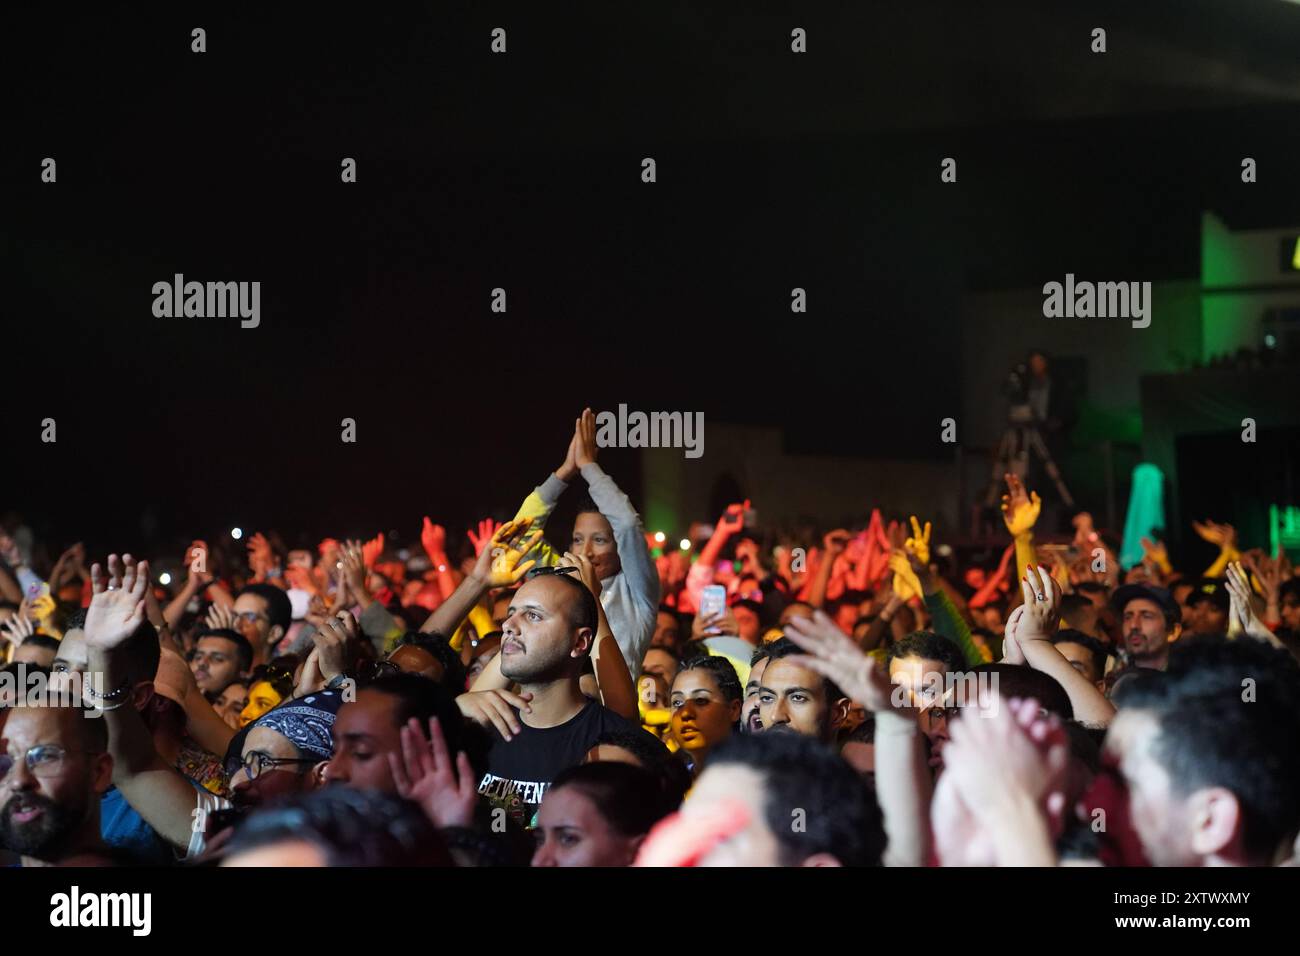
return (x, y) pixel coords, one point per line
(545, 641)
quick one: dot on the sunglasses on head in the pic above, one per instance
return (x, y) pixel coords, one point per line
(538, 572)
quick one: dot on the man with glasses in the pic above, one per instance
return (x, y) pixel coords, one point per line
(276, 755)
(54, 767)
(263, 614)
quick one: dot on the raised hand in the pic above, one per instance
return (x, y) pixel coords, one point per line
(300, 578)
(1223, 535)
(196, 561)
(352, 555)
(1156, 553)
(434, 539)
(331, 640)
(1011, 652)
(329, 552)
(117, 603)
(317, 612)
(835, 542)
(1267, 573)
(1242, 618)
(584, 438)
(486, 529)
(372, 549)
(586, 571)
(907, 584)
(1019, 509)
(896, 536)
(833, 655)
(856, 551)
(1042, 607)
(310, 678)
(569, 470)
(1001, 764)
(919, 543)
(733, 519)
(503, 564)
(714, 625)
(40, 605)
(222, 618)
(260, 558)
(426, 775)
(876, 527)
(18, 628)
(65, 567)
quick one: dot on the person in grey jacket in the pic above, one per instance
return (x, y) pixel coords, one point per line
(611, 537)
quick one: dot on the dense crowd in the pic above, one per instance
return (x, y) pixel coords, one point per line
(604, 698)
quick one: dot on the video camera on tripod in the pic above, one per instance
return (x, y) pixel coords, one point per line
(1016, 388)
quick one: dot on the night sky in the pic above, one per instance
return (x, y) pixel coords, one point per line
(523, 171)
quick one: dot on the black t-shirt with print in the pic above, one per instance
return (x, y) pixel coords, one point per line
(520, 770)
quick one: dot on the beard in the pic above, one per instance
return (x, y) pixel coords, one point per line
(1144, 651)
(534, 666)
(42, 837)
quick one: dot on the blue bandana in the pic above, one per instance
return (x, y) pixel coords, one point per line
(308, 723)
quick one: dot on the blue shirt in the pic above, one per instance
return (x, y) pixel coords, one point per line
(125, 829)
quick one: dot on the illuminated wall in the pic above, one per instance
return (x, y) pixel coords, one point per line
(1241, 279)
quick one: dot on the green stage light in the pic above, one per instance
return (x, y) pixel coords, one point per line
(1283, 528)
(1146, 512)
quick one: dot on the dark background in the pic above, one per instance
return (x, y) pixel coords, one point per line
(523, 171)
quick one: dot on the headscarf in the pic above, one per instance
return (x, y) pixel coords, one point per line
(308, 722)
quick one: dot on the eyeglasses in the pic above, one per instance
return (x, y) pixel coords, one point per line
(43, 760)
(538, 572)
(249, 616)
(255, 763)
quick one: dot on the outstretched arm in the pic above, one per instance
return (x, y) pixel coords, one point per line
(1242, 619)
(1033, 625)
(1225, 536)
(1020, 512)
(629, 533)
(833, 545)
(902, 778)
(499, 565)
(537, 507)
(617, 688)
(157, 791)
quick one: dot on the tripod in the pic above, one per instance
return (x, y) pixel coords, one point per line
(1020, 438)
